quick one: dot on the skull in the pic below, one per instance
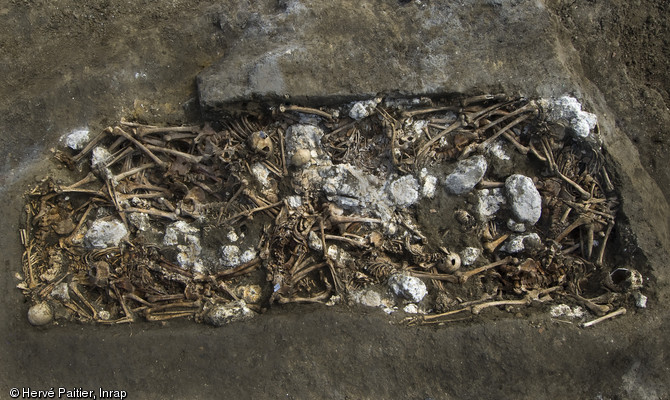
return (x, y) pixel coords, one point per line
(261, 143)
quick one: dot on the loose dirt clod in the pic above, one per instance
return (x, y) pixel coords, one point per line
(481, 200)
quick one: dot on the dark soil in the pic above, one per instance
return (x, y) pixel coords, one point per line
(64, 65)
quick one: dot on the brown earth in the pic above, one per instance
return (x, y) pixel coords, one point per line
(64, 65)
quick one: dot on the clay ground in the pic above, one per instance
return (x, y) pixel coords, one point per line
(64, 65)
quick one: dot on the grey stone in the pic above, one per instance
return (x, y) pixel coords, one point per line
(524, 199)
(352, 189)
(349, 186)
(467, 175)
(499, 156)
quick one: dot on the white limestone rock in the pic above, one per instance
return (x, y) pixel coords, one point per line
(367, 297)
(496, 150)
(417, 127)
(363, 109)
(514, 226)
(304, 137)
(222, 314)
(469, 255)
(77, 139)
(262, 174)
(524, 199)
(564, 310)
(519, 243)
(103, 234)
(232, 235)
(100, 156)
(567, 110)
(232, 256)
(176, 233)
(61, 292)
(640, 300)
(429, 183)
(411, 309)
(339, 256)
(187, 241)
(294, 201)
(314, 241)
(189, 255)
(408, 287)
(141, 221)
(404, 191)
(489, 202)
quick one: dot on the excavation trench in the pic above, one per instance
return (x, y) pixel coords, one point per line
(426, 208)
